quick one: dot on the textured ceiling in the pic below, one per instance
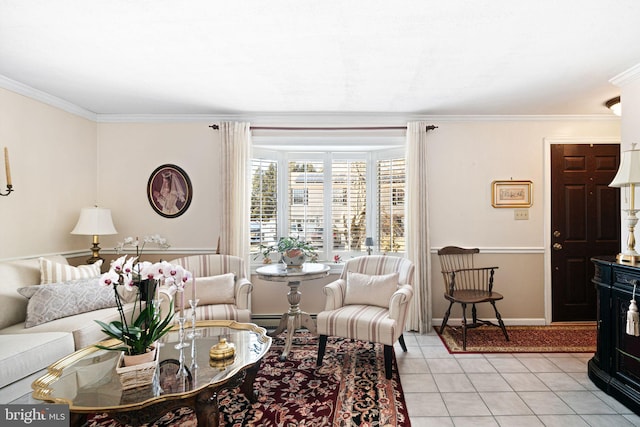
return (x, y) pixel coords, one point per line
(429, 57)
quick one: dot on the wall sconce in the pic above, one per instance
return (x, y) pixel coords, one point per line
(628, 176)
(94, 222)
(614, 105)
(368, 242)
(7, 170)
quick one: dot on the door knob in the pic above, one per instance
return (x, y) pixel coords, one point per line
(557, 247)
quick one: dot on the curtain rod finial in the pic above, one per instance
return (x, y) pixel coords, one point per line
(214, 127)
(431, 127)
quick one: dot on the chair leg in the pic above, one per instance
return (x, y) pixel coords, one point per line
(500, 322)
(388, 358)
(322, 345)
(446, 318)
(402, 344)
(474, 314)
(464, 327)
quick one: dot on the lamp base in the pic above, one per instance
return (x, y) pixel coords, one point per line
(95, 252)
(628, 258)
(93, 260)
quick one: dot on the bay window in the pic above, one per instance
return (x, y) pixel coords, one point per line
(333, 199)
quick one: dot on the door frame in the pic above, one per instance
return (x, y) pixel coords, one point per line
(547, 206)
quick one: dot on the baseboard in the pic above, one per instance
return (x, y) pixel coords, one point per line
(269, 320)
(508, 322)
(273, 320)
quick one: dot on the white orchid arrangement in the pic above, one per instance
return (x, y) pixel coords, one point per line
(156, 239)
(137, 334)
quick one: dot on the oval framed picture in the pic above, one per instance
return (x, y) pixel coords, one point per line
(169, 191)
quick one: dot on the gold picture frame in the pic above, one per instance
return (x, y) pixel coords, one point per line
(511, 194)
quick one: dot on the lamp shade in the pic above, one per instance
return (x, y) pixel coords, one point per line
(94, 222)
(629, 170)
(368, 241)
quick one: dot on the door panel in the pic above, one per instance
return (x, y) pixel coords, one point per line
(585, 222)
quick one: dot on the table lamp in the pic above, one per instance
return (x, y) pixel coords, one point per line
(368, 242)
(628, 176)
(94, 222)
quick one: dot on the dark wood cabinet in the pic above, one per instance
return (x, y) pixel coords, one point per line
(615, 368)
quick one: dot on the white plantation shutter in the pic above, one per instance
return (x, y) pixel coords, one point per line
(306, 201)
(264, 202)
(349, 202)
(391, 187)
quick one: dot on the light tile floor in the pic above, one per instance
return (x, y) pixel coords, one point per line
(509, 389)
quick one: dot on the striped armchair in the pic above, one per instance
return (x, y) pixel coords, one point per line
(202, 266)
(378, 317)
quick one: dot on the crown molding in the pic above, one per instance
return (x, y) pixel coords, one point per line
(38, 95)
(627, 76)
(389, 119)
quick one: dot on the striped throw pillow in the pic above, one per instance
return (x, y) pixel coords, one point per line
(55, 272)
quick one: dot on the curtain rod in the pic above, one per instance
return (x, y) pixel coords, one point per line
(428, 128)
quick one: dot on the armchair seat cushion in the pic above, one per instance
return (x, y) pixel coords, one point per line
(222, 312)
(361, 322)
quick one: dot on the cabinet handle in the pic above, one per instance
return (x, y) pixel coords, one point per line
(557, 247)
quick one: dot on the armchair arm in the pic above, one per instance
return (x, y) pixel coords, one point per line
(165, 295)
(398, 304)
(334, 294)
(243, 291)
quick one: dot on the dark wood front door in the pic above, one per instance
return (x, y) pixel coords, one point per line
(585, 222)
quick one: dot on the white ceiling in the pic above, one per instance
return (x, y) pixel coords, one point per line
(426, 57)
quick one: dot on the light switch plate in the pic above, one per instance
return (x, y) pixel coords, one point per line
(521, 214)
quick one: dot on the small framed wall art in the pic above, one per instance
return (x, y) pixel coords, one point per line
(169, 191)
(511, 194)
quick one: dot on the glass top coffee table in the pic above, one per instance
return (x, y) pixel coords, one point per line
(87, 380)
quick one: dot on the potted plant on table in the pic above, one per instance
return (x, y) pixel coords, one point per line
(293, 251)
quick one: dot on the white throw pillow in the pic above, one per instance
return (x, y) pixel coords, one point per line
(57, 300)
(214, 289)
(55, 272)
(370, 290)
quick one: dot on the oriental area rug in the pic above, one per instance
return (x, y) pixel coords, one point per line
(349, 389)
(522, 339)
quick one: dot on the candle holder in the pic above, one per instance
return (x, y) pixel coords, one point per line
(194, 361)
(181, 334)
(193, 333)
(182, 369)
(9, 190)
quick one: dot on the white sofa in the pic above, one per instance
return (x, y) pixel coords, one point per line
(25, 352)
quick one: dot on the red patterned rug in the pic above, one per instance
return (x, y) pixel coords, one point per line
(522, 339)
(349, 389)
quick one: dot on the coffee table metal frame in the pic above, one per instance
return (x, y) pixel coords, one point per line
(202, 398)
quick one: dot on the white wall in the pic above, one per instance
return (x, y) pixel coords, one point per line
(53, 168)
(127, 155)
(465, 157)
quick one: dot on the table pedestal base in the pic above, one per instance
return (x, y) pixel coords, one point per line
(293, 319)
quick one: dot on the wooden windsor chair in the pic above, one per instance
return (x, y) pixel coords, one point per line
(466, 284)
